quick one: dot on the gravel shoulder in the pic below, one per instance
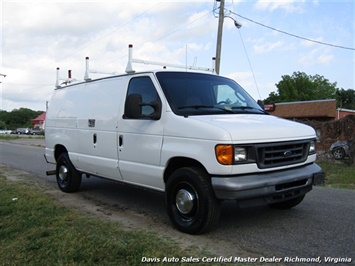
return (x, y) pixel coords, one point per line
(29, 140)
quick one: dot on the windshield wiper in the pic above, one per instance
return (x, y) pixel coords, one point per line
(244, 107)
(250, 108)
(206, 106)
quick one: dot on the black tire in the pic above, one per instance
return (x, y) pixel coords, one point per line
(285, 205)
(338, 153)
(191, 204)
(68, 178)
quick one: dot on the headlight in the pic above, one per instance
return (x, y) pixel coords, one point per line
(312, 147)
(240, 154)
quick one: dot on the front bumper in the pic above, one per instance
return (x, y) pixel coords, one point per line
(268, 187)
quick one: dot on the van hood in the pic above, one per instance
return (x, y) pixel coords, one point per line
(258, 128)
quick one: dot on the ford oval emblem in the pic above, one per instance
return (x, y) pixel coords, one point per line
(287, 153)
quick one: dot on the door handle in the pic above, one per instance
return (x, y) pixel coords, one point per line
(94, 138)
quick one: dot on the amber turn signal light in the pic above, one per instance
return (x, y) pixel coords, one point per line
(224, 154)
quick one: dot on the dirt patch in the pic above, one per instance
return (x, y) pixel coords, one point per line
(14, 174)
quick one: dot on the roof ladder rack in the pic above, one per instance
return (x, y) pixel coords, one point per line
(130, 70)
(66, 81)
(88, 71)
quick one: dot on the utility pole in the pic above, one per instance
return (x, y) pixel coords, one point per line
(219, 35)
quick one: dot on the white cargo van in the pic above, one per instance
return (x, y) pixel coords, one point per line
(197, 137)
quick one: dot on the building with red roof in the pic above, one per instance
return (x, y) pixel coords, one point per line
(39, 121)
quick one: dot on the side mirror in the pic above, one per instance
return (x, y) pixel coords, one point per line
(133, 106)
(134, 110)
(261, 104)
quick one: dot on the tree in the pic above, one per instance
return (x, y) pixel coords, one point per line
(346, 98)
(2, 125)
(4, 116)
(302, 87)
(18, 117)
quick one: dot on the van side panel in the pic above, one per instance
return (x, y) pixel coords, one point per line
(60, 128)
(97, 128)
(83, 118)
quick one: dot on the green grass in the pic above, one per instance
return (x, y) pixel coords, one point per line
(9, 137)
(35, 230)
(12, 137)
(338, 174)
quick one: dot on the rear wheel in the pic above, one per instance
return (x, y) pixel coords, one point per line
(285, 205)
(68, 178)
(191, 203)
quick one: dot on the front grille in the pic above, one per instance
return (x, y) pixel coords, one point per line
(282, 153)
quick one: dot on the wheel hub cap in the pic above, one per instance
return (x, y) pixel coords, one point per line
(337, 154)
(63, 173)
(184, 201)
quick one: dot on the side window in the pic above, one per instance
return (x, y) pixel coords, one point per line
(144, 87)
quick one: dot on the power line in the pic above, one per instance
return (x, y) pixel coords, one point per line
(109, 33)
(293, 35)
(181, 27)
(246, 53)
(27, 85)
(251, 68)
(166, 35)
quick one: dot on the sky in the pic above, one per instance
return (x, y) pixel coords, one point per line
(39, 36)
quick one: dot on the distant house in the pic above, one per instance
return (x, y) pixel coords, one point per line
(341, 112)
(331, 124)
(320, 110)
(39, 121)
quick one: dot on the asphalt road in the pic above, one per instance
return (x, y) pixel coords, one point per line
(322, 225)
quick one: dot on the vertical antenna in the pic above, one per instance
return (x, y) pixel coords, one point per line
(195, 62)
(186, 57)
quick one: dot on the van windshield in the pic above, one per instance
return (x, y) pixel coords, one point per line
(200, 94)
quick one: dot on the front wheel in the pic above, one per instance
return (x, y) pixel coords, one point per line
(288, 204)
(191, 204)
(68, 178)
